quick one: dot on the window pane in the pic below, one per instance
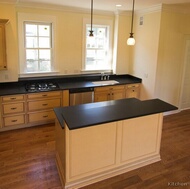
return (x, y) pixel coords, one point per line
(44, 54)
(38, 47)
(32, 66)
(97, 48)
(31, 30)
(44, 59)
(44, 42)
(44, 30)
(45, 66)
(32, 54)
(31, 42)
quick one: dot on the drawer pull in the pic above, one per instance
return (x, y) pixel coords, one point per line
(44, 104)
(13, 98)
(44, 95)
(15, 120)
(13, 108)
(45, 116)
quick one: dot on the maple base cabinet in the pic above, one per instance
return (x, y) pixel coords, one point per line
(26, 110)
(90, 154)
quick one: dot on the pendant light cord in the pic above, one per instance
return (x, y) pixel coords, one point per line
(91, 13)
(132, 17)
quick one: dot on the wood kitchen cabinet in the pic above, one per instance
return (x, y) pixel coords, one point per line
(40, 106)
(13, 110)
(3, 59)
(133, 90)
(109, 93)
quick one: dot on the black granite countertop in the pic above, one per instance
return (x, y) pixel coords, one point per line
(64, 82)
(86, 115)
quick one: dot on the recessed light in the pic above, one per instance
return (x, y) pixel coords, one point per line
(118, 5)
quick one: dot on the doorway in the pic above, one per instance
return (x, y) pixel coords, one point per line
(185, 93)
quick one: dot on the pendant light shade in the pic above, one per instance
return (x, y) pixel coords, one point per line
(91, 31)
(131, 40)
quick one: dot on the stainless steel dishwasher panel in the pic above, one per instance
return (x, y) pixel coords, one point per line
(81, 96)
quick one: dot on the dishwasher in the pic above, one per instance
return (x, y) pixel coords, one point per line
(81, 96)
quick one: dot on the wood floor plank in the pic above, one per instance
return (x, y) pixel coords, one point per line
(27, 160)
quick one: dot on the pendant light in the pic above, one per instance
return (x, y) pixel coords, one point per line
(131, 40)
(91, 31)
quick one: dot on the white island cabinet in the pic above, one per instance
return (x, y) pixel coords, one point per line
(96, 151)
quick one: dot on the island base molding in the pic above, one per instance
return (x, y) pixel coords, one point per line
(102, 176)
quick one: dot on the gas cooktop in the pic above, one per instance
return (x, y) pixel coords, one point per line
(41, 86)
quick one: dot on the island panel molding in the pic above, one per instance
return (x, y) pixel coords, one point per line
(91, 154)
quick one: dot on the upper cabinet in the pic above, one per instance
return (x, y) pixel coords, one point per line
(3, 59)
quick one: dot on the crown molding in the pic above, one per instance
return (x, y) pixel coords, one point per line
(62, 8)
(121, 12)
(152, 9)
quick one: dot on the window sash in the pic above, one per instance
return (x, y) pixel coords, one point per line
(38, 64)
(99, 46)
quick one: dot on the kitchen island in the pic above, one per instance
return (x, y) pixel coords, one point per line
(99, 140)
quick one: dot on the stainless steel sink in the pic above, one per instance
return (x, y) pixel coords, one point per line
(105, 82)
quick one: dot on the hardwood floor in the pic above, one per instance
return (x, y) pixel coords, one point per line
(27, 160)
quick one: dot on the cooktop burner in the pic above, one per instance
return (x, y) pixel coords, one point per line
(45, 86)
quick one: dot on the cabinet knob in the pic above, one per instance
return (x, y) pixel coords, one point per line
(13, 108)
(15, 120)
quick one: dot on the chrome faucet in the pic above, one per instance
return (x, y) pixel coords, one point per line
(104, 76)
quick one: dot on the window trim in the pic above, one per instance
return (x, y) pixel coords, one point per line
(28, 17)
(101, 22)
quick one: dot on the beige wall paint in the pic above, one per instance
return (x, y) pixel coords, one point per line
(158, 55)
(145, 51)
(69, 38)
(171, 56)
(122, 51)
(7, 11)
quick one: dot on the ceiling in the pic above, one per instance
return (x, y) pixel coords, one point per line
(107, 5)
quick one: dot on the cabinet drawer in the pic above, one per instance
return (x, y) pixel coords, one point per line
(13, 108)
(108, 88)
(43, 104)
(14, 120)
(133, 85)
(12, 98)
(44, 95)
(41, 116)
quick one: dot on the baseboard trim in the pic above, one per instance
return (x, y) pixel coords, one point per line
(105, 175)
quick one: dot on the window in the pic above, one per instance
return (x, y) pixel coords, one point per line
(38, 47)
(97, 50)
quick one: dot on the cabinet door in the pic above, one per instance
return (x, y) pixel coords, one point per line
(102, 96)
(3, 62)
(133, 91)
(117, 94)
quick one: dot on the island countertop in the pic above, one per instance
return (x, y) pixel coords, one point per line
(86, 115)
